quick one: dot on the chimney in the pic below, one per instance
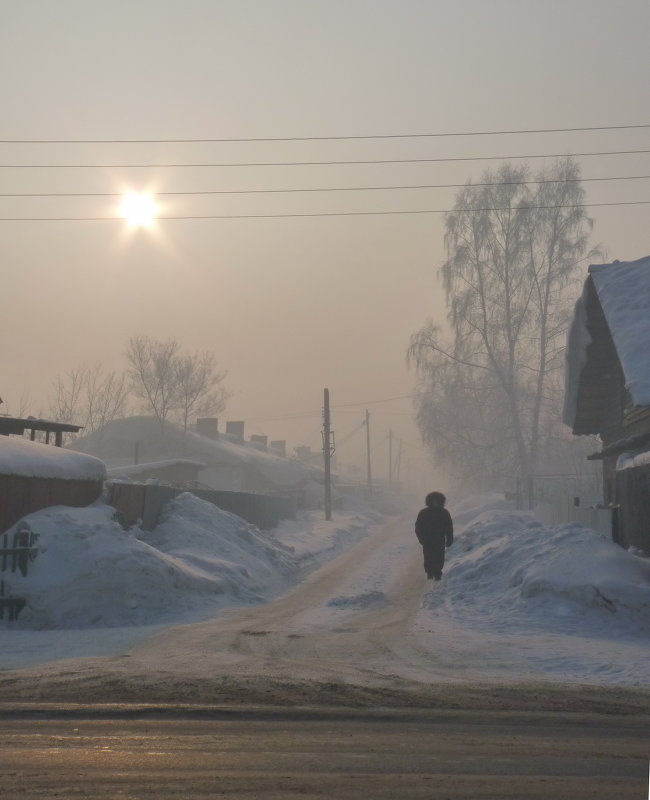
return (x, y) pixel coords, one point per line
(279, 447)
(259, 441)
(208, 426)
(236, 431)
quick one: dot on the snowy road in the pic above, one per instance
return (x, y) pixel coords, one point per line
(364, 628)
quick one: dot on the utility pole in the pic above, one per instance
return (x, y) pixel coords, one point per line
(390, 459)
(328, 450)
(398, 465)
(368, 453)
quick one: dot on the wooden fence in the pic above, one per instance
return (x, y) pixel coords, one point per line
(17, 551)
(140, 503)
(21, 495)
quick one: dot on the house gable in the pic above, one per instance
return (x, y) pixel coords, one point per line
(599, 383)
(608, 350)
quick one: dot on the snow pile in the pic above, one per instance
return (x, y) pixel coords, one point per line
(507, 571)
(35, 460)
(89, 572)
(219, 542)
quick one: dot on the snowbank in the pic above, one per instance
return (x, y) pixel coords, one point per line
(514, 574)
(89, 572)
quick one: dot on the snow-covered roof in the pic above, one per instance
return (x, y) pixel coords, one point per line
(35, 460)
(623, 289)
(139, 469)
(115, 442)
(630, 460)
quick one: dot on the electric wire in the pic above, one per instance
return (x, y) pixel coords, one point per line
(402, 212)
(341, 162)
(391, 187)
(330, 138)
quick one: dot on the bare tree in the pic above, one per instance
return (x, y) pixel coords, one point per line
(172, 384)
(89, 396)
(152, 373)
(512, 254)
(199, 386)
(20, 408)
(66, 405)
(105, 395)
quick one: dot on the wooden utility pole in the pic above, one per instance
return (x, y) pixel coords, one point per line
(327, 453)
(390, 459)
(398, 466)
(368, 453)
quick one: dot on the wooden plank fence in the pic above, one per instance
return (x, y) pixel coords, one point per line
(17, 551)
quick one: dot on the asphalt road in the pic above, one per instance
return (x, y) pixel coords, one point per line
(267, 754)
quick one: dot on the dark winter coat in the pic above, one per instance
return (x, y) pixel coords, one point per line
(434, 527)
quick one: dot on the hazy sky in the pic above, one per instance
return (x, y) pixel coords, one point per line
(289, 305)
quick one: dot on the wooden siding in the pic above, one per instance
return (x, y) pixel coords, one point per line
(21, 495)
(601, 395)
(633, 497)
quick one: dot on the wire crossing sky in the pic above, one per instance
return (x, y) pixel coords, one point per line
(302, 157)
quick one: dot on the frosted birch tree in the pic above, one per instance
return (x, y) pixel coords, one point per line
(510, 277)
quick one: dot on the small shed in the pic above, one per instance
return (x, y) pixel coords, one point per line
(607, 390)
(34, 476)
(18, 425)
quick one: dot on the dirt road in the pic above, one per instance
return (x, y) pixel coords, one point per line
(346, 636)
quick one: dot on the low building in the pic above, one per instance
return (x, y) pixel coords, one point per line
(608, 387)
(227, 465)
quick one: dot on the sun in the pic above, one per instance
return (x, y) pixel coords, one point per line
(139, 210)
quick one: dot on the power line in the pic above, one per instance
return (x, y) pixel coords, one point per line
(307, 414)
(326, 213)
(327, 138)
(374, 402)
(330, 188)
(323, 163)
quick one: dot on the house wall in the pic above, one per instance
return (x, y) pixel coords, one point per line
(20, 495)
(228, 477)
(633, 499)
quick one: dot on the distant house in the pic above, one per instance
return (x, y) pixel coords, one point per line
(608, 386)
(227, 464)
(34, 476)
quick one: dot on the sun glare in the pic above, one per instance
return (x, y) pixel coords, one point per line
(139, 210)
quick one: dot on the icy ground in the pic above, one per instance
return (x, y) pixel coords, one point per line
(344, 599)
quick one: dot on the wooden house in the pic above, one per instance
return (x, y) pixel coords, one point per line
(608, 387)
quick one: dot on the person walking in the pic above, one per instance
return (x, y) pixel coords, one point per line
(435, 532)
